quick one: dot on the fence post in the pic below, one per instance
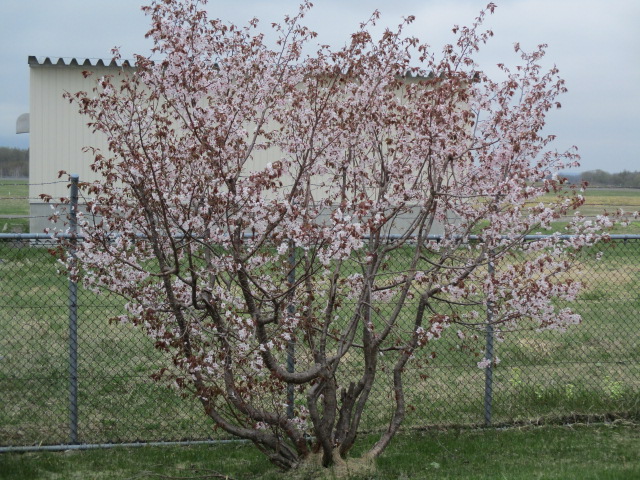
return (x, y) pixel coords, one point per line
(291, 346)
(73, 314)
(488, 379)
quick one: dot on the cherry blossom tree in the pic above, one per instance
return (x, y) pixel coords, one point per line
(267, 281)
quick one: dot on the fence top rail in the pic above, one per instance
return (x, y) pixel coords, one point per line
(50, 236)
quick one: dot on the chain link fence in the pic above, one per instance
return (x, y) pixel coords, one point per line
(94, 386)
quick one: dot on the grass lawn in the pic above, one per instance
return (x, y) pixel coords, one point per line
(601, 451)
(118, 401)
(593, 369)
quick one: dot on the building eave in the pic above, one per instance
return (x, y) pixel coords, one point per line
(36, 62)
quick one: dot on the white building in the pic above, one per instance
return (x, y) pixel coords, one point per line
(59, 133)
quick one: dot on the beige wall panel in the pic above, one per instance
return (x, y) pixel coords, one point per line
(58, 135)
(58, 131)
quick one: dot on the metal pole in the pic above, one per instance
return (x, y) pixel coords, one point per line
(73, 315)
(488, 379)
(291, 346)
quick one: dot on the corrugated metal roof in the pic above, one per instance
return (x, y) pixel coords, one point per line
(99, 62)
(76, 62)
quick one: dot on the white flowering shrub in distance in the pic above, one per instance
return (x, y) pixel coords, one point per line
(381, 129)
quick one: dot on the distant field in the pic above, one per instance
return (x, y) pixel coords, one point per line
(14, 202)
(611, 199)
(607, 200)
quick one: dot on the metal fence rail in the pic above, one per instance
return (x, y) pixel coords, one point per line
(68, 376)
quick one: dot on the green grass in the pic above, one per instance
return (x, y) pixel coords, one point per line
(14, 201)
(118, 401)
(593, 369)
(600, 451)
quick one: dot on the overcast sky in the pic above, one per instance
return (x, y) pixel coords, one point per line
(596, 45)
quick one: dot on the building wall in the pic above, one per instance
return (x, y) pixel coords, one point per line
(58, 135)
